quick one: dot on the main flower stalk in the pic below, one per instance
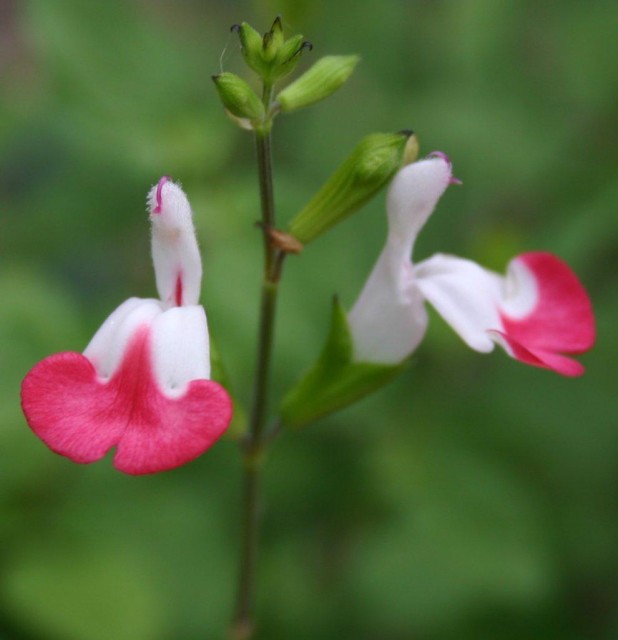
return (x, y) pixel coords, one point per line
(255, 439)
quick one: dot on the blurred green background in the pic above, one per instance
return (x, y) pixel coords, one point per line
(474, 498)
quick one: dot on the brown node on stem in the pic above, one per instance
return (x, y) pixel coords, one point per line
(284, 241)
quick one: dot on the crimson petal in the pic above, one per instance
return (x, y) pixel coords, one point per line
(82, 417)
(562, 320)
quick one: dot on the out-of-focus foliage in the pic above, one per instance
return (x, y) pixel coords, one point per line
(475, 497)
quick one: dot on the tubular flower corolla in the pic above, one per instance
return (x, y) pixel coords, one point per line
(537, 312)
(142, 384)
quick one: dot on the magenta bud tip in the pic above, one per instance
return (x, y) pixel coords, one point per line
(158, 195)
(440, 154)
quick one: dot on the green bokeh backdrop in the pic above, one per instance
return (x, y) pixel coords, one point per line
(475, 497)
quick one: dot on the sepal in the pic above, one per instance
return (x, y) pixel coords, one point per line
(371, 165)
(335, 380)
(319, 82)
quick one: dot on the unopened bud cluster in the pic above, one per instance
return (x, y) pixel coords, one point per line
(273, 57)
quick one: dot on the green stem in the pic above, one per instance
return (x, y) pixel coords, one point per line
(265, 177)
(243, 624)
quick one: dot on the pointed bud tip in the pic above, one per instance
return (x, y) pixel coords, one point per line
(235, 28)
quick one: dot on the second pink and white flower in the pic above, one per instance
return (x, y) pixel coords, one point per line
(538, 312)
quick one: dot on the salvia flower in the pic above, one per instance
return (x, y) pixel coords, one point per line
(538, 312)
(142, 384)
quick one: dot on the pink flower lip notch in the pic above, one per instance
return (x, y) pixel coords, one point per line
(142, 384)
(538, 312)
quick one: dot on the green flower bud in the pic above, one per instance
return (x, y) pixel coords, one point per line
(319, 82)
(372, 164)
(289, 56)
(335, 380)
(238, 97)
(251, 43)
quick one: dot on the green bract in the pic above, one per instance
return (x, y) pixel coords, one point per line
(335, 380)
(270, 56)
(319, 82)
(238, 97)
(372, 164)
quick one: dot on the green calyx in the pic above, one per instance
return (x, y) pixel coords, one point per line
(371, 165)
(319, 82)
(238, 97)
(271, 56)
(335, 381)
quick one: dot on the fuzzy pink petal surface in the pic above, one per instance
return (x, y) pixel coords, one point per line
(82, 417)
(562, 321)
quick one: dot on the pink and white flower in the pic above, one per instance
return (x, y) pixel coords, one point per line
(142, 384)
(538, 312)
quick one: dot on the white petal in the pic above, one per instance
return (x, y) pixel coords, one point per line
(388, 320)
(465, 295)
(180, 348)
(412, 197)
(521, 292)
(109, 343)
(176, 256)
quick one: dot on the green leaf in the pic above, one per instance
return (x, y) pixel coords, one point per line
(335, 380)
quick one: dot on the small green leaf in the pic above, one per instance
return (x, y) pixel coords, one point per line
(335, 380)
